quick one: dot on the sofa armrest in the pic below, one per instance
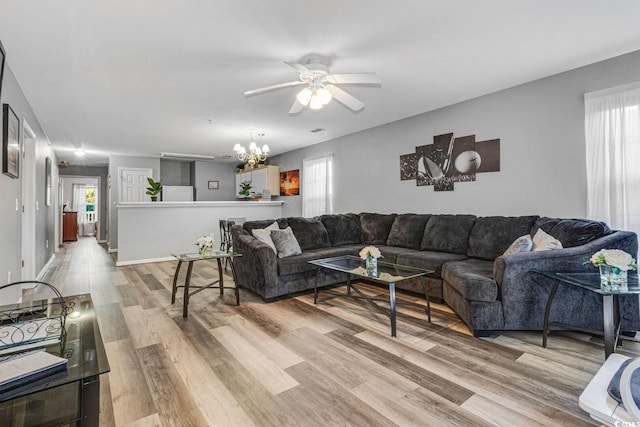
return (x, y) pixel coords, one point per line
(524, 293)
(257, 268)
(565, 260)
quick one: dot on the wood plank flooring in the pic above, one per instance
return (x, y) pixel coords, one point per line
(293, 363)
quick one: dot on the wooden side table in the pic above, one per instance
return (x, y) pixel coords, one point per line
(190, 258)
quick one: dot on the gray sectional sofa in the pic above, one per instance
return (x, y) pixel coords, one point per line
(487, 290)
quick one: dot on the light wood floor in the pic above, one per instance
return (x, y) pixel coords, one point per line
(290, 363)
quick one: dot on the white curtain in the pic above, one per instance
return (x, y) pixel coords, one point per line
(317, 189)
(612, 130)
(80, 202)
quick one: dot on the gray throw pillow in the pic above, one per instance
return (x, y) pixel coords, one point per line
(521, 244)
(285, 242)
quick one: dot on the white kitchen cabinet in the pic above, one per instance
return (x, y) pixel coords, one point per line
(264, 178)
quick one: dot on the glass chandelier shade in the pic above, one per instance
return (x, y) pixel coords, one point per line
(254, 155)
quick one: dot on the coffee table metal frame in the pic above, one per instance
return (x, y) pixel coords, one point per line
(610, 304)
(190, 258)
(387, 274)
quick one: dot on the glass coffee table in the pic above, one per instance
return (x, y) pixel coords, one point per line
(190, 258)
(387, 274)
(610, 303)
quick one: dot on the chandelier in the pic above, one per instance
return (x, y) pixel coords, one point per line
(255, 154)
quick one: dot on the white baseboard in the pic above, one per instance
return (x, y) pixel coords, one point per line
(144, 261)
(102, 241)
(113, 251)
(46, 268)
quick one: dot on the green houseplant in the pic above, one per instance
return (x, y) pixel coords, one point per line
(154, 188)
(245, 189)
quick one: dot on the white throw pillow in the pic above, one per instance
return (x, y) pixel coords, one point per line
(521, 244)
(264, 235)
(545, 242)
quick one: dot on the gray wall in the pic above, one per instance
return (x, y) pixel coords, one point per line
(11, 194)
(224, 173)
(174, 172)
(103, 199)
(541, 130)
(116, 162)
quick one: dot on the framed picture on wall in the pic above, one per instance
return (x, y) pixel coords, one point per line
(290, 183)
(10, 142)
(214, 185)
(3, 55)
(47, 175)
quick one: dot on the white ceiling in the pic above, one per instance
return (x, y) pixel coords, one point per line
(147, 76)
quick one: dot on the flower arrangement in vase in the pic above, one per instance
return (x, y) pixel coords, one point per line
(370, 255)
(205, 244)
(613, 265)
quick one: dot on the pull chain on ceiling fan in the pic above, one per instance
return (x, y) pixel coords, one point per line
(321, 86)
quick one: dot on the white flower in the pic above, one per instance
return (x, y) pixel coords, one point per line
(205, 242)
(370, 250)
(615, 258)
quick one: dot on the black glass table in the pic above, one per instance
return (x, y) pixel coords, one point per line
(387, 274)
(610, 303)
(190, 258)
(74, 399)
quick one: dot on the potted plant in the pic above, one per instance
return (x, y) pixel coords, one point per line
(154, 188)
(245, 189)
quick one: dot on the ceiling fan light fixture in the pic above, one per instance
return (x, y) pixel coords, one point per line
(316, 102)
(304, 96)
(324, 95)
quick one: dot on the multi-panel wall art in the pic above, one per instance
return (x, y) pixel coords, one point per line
(450, 159)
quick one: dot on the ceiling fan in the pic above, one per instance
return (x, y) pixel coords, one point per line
(321, 85)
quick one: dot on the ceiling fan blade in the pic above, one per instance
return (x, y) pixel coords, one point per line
(270, 88)
(345, 98)
(356, 79)
(296, 107)
(297, 66)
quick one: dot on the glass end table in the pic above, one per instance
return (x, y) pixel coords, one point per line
(610, 303)
(190, 258)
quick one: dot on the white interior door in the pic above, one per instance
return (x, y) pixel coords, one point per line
(133, 184)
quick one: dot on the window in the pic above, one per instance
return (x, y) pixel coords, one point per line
(317, 188)
(612, 131)
(90, 197)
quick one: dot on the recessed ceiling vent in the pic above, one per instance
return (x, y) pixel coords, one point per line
(316, 130)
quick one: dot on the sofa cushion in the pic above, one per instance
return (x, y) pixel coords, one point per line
(264, 223)
(264, 235)
(374, 228)
(545, 242)
(297, 264)
(472, 278)
(309, 232)
(572, 232)
(448, 233)
(492, 235)
(428, 260)
(521, 244)
(390, 253)
(343, 229)
(285, 242)
(407, 230)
